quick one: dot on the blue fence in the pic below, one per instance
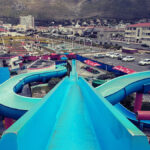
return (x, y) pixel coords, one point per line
(102, 65)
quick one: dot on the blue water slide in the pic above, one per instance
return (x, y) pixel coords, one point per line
(73, 116)
(131, 115)
(13, 105)
(117, 89)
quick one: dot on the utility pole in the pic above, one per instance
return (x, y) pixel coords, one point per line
(72, 44)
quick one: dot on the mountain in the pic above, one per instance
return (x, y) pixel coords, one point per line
(71, 9)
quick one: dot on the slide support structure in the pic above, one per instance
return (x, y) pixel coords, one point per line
(138, 101)
(8, 122)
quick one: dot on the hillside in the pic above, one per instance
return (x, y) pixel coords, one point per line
(68, 9)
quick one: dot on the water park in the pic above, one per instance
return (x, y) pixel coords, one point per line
(74, 115)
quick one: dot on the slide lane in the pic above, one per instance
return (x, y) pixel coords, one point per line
(117, 89)
(73, 116)
(13, 105)
(113, 129)
(59, 121)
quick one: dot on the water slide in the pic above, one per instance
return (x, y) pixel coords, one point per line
(13, 105)
(121, 87)
(73, 116)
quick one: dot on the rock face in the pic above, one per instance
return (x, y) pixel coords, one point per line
(68, 9)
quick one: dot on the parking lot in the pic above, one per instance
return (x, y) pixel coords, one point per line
(85, 73)
(131, 65)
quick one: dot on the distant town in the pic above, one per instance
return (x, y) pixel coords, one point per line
(99, 32)
(79, 36)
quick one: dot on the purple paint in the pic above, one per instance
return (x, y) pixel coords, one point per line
(143, 115)
(138, 102)
(8, 122)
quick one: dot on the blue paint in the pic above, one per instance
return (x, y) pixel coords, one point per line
(127, 85)
(11, 101)
(76, 116)
(4, 74)
(102, 65)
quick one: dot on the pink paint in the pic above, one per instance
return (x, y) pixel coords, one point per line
(8, 122)
(124, 69)
(138, 101)
(33, 58)
(21, 65)
(91, 63)
(46, 57)
(143, 115)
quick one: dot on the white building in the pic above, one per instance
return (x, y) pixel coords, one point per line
(138, 33)
(12, 61)
(28, 21)
(7, 26)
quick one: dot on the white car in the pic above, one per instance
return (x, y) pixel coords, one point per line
(109, 53)
(128, 58)
(115, 55)
(144, 62)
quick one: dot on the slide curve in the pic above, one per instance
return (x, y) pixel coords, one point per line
(13, 105)
(117, 89)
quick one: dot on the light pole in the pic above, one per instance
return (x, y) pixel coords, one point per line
(72, 44)
(79, 42)
(91, 43)
(52, 43)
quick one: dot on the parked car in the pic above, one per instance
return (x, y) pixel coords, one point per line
(144, 45)
(120, 57)
(99, 56)
(95, 71)
(108, 75)
(115, 55)
(89, 69)
(144, 62)
(128, 58)
(109, 53)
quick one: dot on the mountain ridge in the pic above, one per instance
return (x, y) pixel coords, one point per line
(72, 9)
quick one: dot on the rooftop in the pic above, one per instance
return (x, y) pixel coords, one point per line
(39, 64)
(140, 25)
(7, 55)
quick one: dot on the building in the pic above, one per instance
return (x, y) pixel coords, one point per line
(42, 29)
(138, 33)
(28, 21)
(7, 26)
(20, 28)
(109, 35)
(11, 61)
